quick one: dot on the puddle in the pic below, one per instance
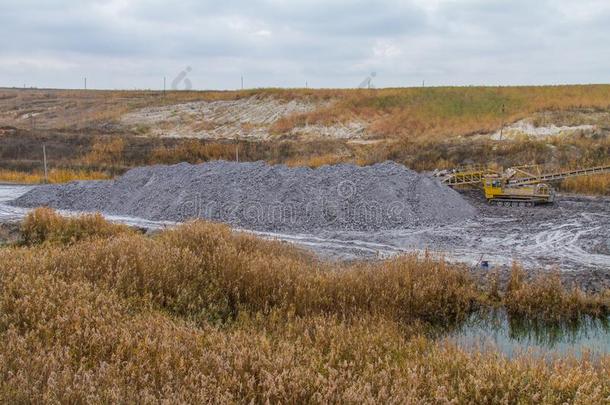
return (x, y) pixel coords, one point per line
(496, 331)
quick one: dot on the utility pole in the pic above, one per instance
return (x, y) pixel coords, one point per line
(163, 85)
(44, 159)
(502, 127)
(242, 82)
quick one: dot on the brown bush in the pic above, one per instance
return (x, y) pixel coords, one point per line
(597, 185)
(45, 225)
(106, 151)
(545, 298)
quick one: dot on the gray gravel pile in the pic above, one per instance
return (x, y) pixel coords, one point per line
(259, 196)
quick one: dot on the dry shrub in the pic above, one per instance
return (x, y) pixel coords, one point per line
(106, 151)
(194, 151)
(599, 185)
(9, 233)
(261, 275)
(203, 271)
(316, 161)
(45, 225)
(545, 298)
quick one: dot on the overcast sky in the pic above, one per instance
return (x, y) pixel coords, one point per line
(285, 43)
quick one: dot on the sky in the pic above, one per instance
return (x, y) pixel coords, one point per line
(135, 44)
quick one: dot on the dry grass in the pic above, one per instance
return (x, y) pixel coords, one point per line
(55, 176)
(599, 185)
(316, 161)
(105, 152)
(86, 109)
(203, 271)
(44, 225)
(70, 342)
(424, 128)
(546, 299)
(400, 112)
(194, 151)
(201, 314)
(448, 111)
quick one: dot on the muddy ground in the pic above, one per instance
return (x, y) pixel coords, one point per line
(572, 237)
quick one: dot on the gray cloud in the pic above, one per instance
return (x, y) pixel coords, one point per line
(333, 43)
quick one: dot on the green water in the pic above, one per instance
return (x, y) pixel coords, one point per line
(497, 331)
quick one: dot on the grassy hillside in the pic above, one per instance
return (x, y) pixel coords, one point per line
(443, 111)
(450, 111)
(423, 128)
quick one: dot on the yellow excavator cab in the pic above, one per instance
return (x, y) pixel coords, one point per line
(492, 186)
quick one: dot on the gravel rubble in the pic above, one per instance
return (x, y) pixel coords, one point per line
(259, 196)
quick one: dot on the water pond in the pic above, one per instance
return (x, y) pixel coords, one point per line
(497, 331)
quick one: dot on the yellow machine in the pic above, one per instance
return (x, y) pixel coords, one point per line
(515, 186)
(498, 192)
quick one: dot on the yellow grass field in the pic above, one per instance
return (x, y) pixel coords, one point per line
(54, 176)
